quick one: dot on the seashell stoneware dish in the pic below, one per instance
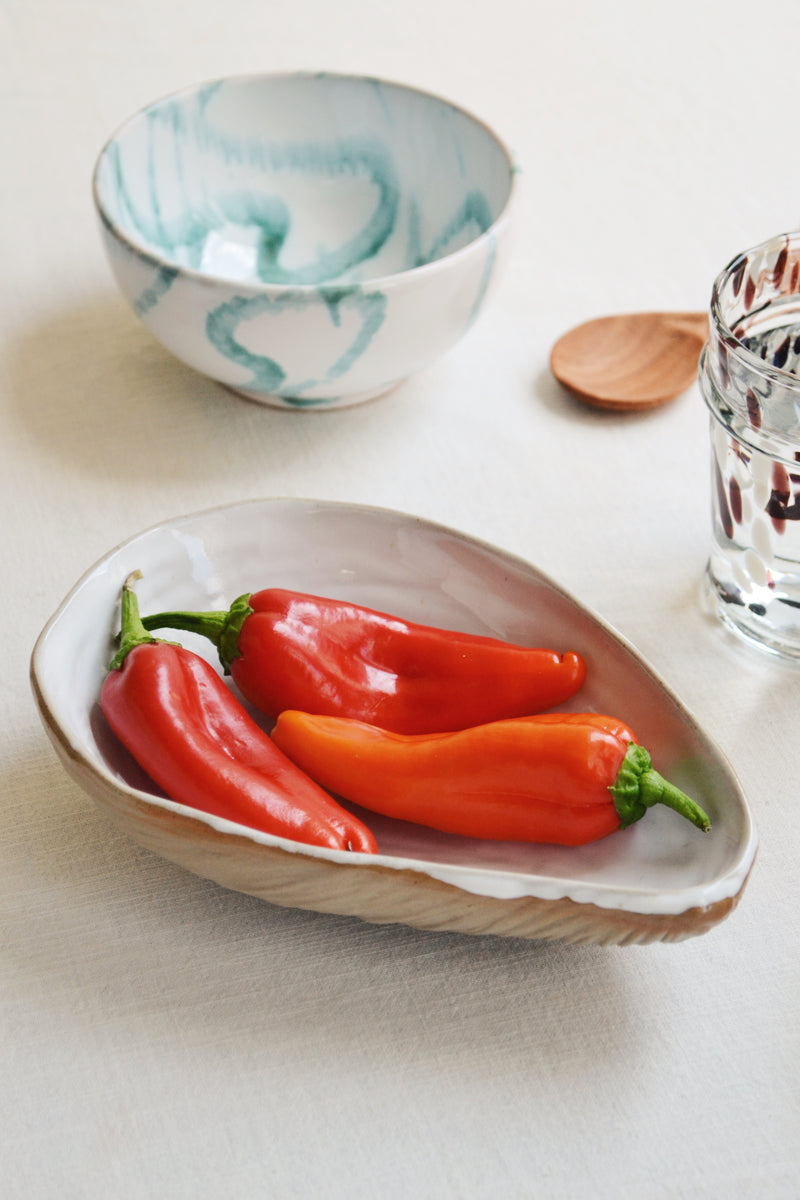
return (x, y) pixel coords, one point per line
(308, 240)
(659, 880)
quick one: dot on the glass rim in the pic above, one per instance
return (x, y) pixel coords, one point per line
(720, 326)
(765, 440)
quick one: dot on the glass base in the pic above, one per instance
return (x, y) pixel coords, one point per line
(773, 628)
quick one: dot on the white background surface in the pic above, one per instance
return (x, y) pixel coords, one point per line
(164, 1038)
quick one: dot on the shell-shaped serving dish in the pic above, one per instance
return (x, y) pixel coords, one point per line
(659, 880)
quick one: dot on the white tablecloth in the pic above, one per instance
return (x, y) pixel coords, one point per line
(162, 1037)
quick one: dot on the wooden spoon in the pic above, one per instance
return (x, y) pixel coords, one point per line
(633, 361)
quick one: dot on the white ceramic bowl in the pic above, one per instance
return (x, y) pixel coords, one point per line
(661, 879)
(307, 239)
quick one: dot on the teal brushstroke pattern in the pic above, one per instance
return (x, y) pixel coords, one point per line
(265, 215)
(268, 375)
(184, 237)
(473, 211)
(149, 297)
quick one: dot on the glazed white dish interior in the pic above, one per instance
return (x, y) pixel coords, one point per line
(308, 239)
(661, 879)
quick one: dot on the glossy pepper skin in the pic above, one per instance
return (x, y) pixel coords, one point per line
(288, 650)
(191, 735)
(560, 778)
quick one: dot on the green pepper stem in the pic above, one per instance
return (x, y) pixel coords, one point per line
(222, 628)
(638, 787)
(132, 630)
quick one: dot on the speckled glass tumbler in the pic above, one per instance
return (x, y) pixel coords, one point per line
(750, 380)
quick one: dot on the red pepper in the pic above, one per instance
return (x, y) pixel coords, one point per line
(289, 650)
(191, 735)
(566, 778)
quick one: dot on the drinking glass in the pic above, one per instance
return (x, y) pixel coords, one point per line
(750, 380)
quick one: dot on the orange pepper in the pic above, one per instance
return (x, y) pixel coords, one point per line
(565, 778)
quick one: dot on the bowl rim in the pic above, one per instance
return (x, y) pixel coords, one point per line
(393, 279)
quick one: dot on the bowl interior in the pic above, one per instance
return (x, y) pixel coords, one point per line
(302, 179)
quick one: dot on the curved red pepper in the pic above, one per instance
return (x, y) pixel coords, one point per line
(290, 650)
(184, 727)
(565, 778)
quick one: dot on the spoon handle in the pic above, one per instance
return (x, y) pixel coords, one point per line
(689, 322)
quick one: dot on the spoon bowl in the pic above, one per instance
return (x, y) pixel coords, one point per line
(632, 361)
